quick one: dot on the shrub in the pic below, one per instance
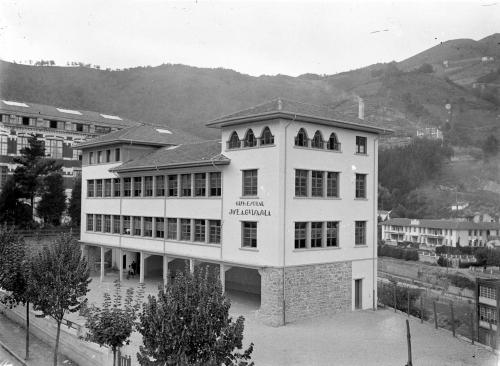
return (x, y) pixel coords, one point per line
(398, 253)
(461, 281)
(386, 297)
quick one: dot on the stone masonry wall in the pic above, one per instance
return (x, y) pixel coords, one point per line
(271, 296)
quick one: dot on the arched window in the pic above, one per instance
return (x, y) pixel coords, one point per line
(301, 138)
(250, 140)
(234, 141)
(317, 141)
(333, 143)
(266, 138)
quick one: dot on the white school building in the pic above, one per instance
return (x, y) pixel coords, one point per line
(283, 206)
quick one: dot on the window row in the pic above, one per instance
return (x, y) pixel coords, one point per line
(53, 124)
(489, 292)
(250, 140)
(54, 148)
(321, 234)
(318, 142)
(179, 229)
(316, 183)
(104, 156)
(488, 314)
(173, 185)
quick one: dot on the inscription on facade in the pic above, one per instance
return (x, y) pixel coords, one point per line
(249, 208)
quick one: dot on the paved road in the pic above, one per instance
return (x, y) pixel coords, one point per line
(6, 359)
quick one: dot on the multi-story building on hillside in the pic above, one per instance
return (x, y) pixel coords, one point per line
(284, 206)
(440, 232)
(488, 308)
(59, 128)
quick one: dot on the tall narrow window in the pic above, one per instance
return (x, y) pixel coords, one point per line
(172, 186)
(214, 231)
(185, 185)
(90, 188)
(107, 224)
(160, 185)
(90, 222)
(215, 184)
(148, 226)
(98, 188)
(91, 158)
(360, 185)
(136, 223)
(116, 224)
(200, 184)
(116, 187)
(117, 154)
(172, 228)
(99, 157)
(316, 234)
(360, 233)
(316, 183)
(234, 141)
(317, 141)
(107, 187)
(332, 234)
(127, 187)
(332, 184)
(186, 229)
(250, 140)
(249, 234)
(266, 137)
(300, 183)
(199, 230)
(360, 145)
(159, 227)
(300, 235)
(301, 138)
(98, 222)
(137, 186)
(333, 143)
(250, 182)
(148, 186)
(108, 156)
(126, 230)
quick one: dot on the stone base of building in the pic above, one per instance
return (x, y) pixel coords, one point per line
(310, 291)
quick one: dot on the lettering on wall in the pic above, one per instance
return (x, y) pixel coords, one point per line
(249, 208)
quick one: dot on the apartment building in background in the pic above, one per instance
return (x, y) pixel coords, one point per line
(283, 207)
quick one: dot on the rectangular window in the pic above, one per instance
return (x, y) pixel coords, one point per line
(360, 185)
(316, 234)
(107, 187)
(98, 222)
(332, 234)
(487, 314)
(107, 223)
(489, 292)
(172, 186)
(98, 188)
(3, 144)
(200, 184)
(116, 224)
(300, 235)
(360, 233)
(54, 148)
(160, 227)
(116, 187)
(148, 226)
(91, 157)
(108, 156)
(332, 184)
(316, 183)
(137, 186)
(126, 225)
(214, 231)
(186, 229)
(136, 222)
(148, 186)
(99, 157)
(360, 145)
(22, 143)
(215, 184)
(172, 228)
(160, 185)
(117, 154)
(250, 182)
(186, 185)
(199, 230)
(90, 188)
(300, 183)
(90, 222)
(249, 234)
(127, 189)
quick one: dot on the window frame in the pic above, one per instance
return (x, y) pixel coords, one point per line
(361, 145)
(234, 141)
(250, 183)
(360, 233)
(266, 137)
(249, 234)
(300, 241)
(360, 186)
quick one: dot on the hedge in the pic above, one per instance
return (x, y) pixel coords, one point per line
(399, 253)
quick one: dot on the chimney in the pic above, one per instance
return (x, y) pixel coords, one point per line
(361, 108)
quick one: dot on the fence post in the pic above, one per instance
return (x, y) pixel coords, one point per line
(472, 327)
(395, 304)
(435, 315)
(408, 295)
(421, 309)
(129, 361)
(408, 337)
(452, 318)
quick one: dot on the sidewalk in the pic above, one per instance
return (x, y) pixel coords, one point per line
(41, 354)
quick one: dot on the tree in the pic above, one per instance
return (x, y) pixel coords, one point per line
(53, 200)
(113, 323)
(12, 209)
(75, 203)
(58, 280)
(490, 146)
(189, 324)
(32, 168)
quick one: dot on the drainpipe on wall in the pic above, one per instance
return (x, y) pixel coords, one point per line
(375, 217)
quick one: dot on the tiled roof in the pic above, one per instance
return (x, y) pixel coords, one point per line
(143, 134)
(201, 153)
(62, 113)
(443, 224)
(296, 110)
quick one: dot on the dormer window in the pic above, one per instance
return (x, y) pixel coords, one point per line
(333, 143)
(301, 138)
(250, 140)
(266, 138)
(234, 141)
(317, 141)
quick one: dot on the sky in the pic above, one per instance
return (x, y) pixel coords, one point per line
(255, 38)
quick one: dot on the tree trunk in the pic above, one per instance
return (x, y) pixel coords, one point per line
(114, 356)
(27, 330)
(57, 342)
